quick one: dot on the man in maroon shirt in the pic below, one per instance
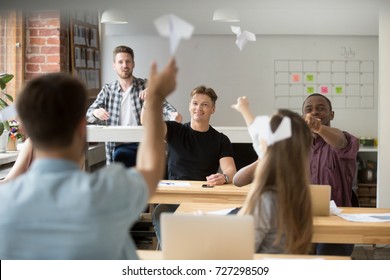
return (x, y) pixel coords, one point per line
(333, 159)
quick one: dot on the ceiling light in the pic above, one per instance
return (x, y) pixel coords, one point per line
(226, 15)
(114, 16)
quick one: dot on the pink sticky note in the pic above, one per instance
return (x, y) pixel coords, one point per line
(324, 89)
(296, 77)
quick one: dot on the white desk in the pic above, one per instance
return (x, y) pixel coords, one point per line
(158, 255)
(236, 134)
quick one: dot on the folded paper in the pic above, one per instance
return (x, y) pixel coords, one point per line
(242, 37)
(175, 28)
(260, 129)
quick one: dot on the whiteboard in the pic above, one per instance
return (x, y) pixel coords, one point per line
(345, 82)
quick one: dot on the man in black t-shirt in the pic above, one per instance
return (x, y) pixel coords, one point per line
(196, 151)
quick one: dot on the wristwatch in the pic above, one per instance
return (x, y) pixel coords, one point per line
(226, 179)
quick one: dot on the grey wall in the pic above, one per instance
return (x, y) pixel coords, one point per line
(214, 60)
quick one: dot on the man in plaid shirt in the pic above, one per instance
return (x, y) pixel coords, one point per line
(120, 103)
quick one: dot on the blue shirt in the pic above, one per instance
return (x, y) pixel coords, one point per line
(56, 211)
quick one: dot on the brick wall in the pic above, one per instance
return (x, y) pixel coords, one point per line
(47, 43)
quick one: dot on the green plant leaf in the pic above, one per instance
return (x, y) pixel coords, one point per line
(1, 128)
(4, 79)
(3, 104)
(9, 97)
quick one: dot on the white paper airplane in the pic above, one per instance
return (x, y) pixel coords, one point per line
(260, 129)
(242, 36)
(175, 28)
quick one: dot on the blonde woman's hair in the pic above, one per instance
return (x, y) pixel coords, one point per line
(285, 168)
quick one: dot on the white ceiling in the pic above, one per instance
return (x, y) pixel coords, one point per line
(295, 17)
(267, 17)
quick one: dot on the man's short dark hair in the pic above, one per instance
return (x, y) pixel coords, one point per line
(123, 49)
(317, 94)
(50, 107)
(202, 89)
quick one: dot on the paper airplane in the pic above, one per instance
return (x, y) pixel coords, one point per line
(175, 28)
(7, 113)
(260, 130)
(242, 37)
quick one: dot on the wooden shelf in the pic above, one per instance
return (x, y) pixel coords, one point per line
(367, 205)
(85, 50)
(366, 184)
(367, 190)
(366, 193)
(368, 149)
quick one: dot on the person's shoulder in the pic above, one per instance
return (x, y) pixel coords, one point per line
(111, 85)
(119, 175)
(351, 139)
(220, 134)
(269, 197)
(176, 125)
(346, 133)
(139, 81)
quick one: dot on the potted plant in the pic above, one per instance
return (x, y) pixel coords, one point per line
(4, 97)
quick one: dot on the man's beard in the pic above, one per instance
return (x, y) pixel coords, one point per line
(126, 75)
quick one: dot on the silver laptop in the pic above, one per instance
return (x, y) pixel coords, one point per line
(320, 198)
(207, 237)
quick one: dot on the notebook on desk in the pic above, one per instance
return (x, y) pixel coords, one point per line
(320, 198)
(207, 237)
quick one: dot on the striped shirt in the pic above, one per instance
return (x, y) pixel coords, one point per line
(110, 98)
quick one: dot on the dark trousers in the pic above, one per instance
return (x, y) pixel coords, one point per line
(161, 208)
(330, 249)
(126, 153)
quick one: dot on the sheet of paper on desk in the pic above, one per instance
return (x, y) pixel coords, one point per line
(174, 184)
(371, 218)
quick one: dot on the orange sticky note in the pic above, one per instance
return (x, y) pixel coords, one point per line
(296, 77)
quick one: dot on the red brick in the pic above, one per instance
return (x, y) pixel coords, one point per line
(32, 67)
(36, 59)
(33, 50)
(48, 68)
(53, 59)
(53, 41)
(33, 32)
(44, 23)
(33, 23)
(50, 50)
(49, 32)
(37, 41)
(53, 22)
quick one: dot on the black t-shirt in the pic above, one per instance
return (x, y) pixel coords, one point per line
(193, 155)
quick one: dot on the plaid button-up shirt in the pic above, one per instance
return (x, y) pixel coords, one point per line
(110, 98)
